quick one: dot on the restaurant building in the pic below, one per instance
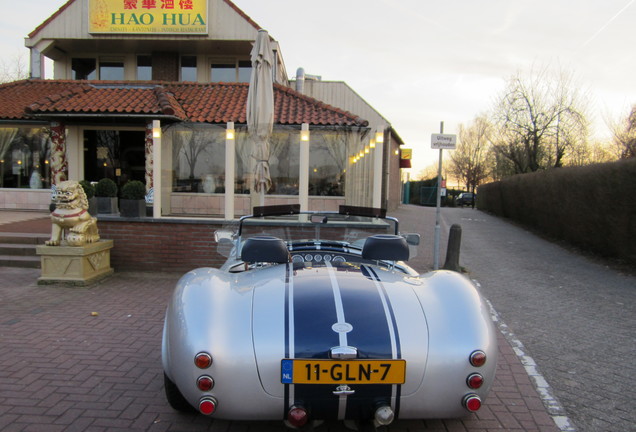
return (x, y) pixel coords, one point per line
(156, 91)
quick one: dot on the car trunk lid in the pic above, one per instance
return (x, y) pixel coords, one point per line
(365, 310)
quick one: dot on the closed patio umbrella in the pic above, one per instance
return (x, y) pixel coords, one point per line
(260, 111)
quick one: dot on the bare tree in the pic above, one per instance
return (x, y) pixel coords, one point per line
(538, 120)
(624, 135)
(470, 162)
(13, 68)
(586, 153)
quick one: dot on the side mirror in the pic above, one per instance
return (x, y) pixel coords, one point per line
(412, 238)
(224, 242)
(222, 236)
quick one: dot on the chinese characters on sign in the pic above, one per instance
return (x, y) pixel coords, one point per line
(152, 4)
(148, 16)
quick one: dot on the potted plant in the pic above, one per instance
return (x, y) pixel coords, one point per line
(106, 193)
(89, 190)
(133, 203)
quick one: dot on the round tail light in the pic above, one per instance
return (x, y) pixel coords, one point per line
(472, 402)
(207, 405)
(297, 416)
(477, 358)
(203, 360)
(205, 383)
(474, 381)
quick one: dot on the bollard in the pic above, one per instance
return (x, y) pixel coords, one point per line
(452, 251)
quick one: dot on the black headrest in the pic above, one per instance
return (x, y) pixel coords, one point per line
(265, 249)
(385, 247)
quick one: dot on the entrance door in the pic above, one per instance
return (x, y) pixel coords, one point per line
(117, 155)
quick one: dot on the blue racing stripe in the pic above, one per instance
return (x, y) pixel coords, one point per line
(364, 310)
(314, 314)
(398, 390)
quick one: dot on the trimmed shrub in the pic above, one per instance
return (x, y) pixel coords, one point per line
(592, 207)
(89, 189)
(134, 190)
(106, 188)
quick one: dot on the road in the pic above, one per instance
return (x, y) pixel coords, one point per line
(575, 316)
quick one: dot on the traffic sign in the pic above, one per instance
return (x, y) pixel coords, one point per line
(443, 141)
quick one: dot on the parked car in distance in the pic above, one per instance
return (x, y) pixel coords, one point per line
(317, 316)
(465, 198)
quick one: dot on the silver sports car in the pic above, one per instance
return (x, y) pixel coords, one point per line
(316, 315)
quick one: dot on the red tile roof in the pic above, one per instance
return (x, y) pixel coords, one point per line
(195, 102)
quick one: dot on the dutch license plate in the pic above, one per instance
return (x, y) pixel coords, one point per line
(308, 371)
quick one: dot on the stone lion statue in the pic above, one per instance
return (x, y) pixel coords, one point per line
(71, 216)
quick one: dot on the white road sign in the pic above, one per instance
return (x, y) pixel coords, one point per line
(443, 141)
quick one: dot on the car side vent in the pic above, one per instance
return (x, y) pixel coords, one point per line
(265, 249)
(385, 247)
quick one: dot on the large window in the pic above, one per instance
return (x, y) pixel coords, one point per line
(198, 158)
(340, 165)
(284, 156)
(188, 68)
(25, 154)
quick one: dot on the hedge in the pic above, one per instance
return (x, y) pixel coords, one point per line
(592, 207)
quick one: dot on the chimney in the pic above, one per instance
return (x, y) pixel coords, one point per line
(300, 80)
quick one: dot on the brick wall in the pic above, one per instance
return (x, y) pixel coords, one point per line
(172, 245)
(150, 245)
(165, 66)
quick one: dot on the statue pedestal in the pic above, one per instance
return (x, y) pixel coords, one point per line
(75, 265)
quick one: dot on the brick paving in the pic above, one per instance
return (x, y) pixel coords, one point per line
(63, 369)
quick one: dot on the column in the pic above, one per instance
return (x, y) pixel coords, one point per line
(59, 163)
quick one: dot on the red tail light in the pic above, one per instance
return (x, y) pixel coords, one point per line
(297, 416)
(205, 383)
(203, 360)
(472, 402)
(474, 381)
(477, 358)
(207, 405)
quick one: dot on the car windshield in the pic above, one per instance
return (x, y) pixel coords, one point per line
(345, 227)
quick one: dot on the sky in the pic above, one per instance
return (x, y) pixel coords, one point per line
(421, 62)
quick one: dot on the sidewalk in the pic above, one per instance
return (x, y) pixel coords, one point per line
(62, 368)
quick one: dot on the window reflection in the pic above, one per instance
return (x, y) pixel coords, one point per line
(24, 158)
(198, 158)
(327, 163)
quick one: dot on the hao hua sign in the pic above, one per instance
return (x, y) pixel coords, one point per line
(443, 141)
(148, 16)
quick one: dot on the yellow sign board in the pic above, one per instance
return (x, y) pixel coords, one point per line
(406, 153)
(148, 16)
